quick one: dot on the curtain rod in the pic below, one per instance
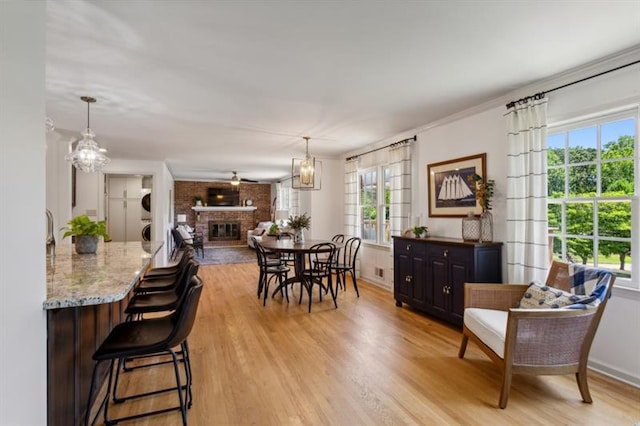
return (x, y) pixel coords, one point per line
(540, 95)
(415, 138)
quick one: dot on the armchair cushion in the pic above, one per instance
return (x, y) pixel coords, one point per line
(539, 296)
(489, 325)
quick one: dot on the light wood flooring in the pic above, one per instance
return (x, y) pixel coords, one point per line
(365, 363)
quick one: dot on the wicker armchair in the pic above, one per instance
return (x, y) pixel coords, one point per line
(532, 341)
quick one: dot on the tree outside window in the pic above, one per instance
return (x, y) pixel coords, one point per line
(591, 185)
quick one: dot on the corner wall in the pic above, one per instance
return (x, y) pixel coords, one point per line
(23, 328)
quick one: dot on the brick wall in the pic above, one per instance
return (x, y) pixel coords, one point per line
(260, 193)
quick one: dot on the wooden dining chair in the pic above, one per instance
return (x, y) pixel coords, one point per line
(316, 271)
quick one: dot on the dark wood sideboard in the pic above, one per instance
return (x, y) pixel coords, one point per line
(429, 273)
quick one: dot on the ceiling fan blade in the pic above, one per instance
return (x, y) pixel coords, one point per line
(248, 180)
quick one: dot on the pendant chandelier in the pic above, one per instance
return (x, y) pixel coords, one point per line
(307, 166)
(305, 171)
(88, 156)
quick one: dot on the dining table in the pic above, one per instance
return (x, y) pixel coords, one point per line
(298, 250)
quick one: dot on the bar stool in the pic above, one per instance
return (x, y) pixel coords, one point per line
(160, 301)
(143, 338)
(164, 282)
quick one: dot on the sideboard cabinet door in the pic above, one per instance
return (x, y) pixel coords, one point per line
(430, 273)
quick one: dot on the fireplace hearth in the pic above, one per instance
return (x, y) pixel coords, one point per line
(224, 230)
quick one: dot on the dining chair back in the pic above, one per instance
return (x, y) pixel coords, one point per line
(269, 269)
(319, 257)
(346, 262)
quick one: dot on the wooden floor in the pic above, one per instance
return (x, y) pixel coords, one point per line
(366, 363)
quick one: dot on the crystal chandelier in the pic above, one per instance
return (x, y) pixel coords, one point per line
(307, 166)
(88, 156)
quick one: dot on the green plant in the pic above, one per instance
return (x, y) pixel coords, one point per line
(82, 225)
(273, 229)
(197, 198)
(300, 222)
(484, 191)
(419, 230)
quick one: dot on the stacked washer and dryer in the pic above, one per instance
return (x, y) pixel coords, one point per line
(145, 211)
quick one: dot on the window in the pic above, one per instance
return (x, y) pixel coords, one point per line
(592, 187)
(375, 195)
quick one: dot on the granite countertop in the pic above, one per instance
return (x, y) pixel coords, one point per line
(92, 279)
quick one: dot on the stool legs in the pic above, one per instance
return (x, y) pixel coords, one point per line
(185, 398)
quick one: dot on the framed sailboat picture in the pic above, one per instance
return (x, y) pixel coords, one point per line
(452, 188)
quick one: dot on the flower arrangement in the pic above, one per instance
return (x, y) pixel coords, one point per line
(299, 222)
(484, 191)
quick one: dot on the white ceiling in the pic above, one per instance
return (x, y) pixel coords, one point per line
(215, 86)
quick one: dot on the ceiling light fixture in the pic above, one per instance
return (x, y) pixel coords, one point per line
(88, 156)
(235, 180)
(306, 172)
(307, 167)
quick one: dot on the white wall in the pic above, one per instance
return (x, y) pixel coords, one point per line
(326, 213)
(23, 349)
(616, 349)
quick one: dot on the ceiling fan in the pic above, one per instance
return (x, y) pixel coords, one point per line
(235, 179)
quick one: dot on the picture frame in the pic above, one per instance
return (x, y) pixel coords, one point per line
(451, 189)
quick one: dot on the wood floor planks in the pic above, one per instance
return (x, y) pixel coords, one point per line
(366, 363)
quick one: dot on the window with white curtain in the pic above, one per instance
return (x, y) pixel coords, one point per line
(374, 203)
(593, 193)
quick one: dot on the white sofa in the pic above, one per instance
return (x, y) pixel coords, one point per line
(258, 232)
(263, 229)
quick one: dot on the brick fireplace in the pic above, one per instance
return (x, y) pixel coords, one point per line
(247, 217)
(224, 230)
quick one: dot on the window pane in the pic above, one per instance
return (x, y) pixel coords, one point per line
(580, 218)
(583, 145)
(555, 149)
(582, 181)
(618, 178)
(369, 224)
(614, 219)
(555, 183)
(580, 250)
(617, 139)
(615, 255)
(555, 220)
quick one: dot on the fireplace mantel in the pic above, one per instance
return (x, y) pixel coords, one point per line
(223, 208)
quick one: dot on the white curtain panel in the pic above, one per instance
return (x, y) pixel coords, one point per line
(400, 167)
(351, 227)
(527, 234)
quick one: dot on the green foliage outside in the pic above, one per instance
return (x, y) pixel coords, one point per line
(614, 217)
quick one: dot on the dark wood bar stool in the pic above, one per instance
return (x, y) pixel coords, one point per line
(148, 337)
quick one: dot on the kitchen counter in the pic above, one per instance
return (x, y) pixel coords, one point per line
(92, 279)
(87, 295)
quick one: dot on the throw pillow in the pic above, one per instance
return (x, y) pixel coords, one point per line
(258, 231)
(540, 296)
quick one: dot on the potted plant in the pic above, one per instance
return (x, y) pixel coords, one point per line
(419, 231)
(273, 229)
(197, 200)
(298, 224)
(86, 232)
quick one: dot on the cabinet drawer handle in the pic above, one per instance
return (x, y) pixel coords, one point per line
(408, 247)
(408, 278)
(445, 253)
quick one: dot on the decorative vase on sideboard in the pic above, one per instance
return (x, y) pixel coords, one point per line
(486, 227)
(471, 227)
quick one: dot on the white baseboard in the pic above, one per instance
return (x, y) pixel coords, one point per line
(614, 373)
